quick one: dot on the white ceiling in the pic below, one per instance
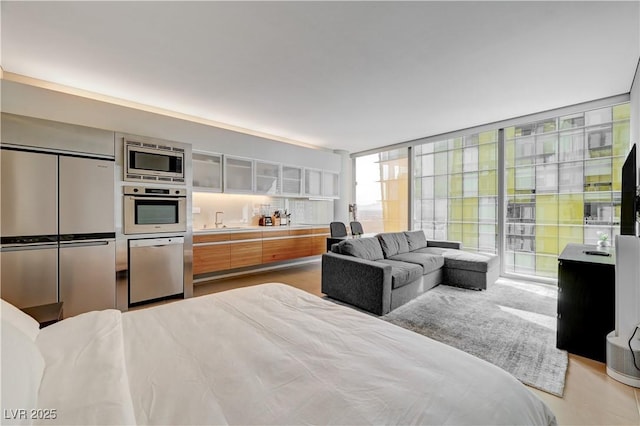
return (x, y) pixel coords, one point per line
(340, 75)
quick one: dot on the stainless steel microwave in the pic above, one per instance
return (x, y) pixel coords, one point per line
(154, 210)
(150, 162)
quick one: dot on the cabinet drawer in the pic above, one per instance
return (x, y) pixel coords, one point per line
(285, 248)
(245, 254)
(252, 235)
(274, 234)
(210, 238)
(211, 258)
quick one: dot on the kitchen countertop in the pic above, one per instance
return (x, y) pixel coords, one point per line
(254, 228)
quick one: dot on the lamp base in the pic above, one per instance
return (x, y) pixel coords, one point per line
(620, 362)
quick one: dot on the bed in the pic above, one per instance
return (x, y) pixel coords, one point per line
(267, 354)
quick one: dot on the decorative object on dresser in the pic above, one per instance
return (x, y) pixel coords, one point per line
(603, 240)
(511, 325)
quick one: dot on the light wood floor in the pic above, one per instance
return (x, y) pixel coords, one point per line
(591, 397)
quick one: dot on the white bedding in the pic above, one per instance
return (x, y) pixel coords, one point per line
(269, 354)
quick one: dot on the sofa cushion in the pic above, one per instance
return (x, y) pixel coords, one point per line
(445, 244)
(431, 250)
(393, 243)
(416, 239)
(429, 262)
(364, 248)
(479, 262)
(402, 273)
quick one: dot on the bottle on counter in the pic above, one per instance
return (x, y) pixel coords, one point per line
(284, 218)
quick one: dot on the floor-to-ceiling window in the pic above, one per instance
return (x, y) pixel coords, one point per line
(561, 185)
(456, 190)
(382, 191)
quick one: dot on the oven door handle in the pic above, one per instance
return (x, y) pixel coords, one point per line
(155, 198)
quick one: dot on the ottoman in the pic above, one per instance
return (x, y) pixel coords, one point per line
(470, 270)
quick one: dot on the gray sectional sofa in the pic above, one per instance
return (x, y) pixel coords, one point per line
(380, 273)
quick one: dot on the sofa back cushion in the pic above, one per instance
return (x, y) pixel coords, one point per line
(364, 248)
(393, 243)
(416, 239)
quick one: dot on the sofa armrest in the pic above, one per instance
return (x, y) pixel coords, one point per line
(362, 283)
(445, 244)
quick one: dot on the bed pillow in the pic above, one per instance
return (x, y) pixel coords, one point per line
(416, 239)
(19, 319)
(22, 368)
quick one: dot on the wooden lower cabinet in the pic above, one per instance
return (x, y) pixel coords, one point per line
(251, 248)
(211, 258)
(246, 254)
(285, 249)
(318, 244)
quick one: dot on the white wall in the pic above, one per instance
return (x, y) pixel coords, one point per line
(37, 102)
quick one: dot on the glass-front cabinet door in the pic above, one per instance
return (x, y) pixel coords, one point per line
(313, 182)
(238, 174)
(207, 172)
(267, 179)
(330, 184)
(291, 180)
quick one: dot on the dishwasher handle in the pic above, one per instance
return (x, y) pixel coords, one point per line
(155, 242)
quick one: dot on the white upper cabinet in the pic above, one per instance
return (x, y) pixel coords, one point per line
(313, 182)
(207, 172)
(330, 184)
(224, 173)
(267, 178)
(238, 174)
(291, 180)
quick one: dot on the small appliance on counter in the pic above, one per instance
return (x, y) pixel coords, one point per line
(281, 217)
(265, 221)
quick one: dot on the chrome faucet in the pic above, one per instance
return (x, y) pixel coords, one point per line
(218, 223)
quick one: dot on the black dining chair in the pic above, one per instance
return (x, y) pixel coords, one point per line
(356, 228)
(338, 229)
(338, 233)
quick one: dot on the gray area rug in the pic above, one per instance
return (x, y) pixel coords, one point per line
(511, 325)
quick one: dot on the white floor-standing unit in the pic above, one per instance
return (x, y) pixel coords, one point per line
(620, 359)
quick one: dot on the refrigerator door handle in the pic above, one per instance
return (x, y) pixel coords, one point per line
(84, 244)
(24, 247)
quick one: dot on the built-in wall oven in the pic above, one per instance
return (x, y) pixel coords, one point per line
(161, 162)
(150, 210)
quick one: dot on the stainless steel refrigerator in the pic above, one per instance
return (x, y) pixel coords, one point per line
(58, 230)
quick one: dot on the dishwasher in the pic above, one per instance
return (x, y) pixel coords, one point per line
(156, 268)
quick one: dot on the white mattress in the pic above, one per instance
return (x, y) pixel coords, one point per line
(269, 354)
